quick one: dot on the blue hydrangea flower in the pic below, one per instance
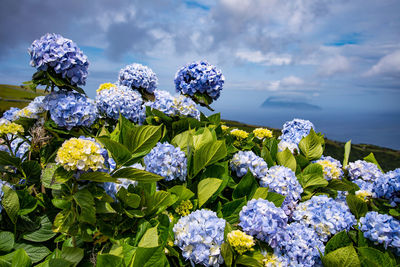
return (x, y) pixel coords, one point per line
(274, 259)
(52, 51)
(139, 77)
(382, 229)
(388, 186)
(167, 161)
(199, 77)
(19, 147)
(121, 99)
(70, 109)
(282, 180)
(200, 236)
(363, 170)
(325, 215)
(174, 106)
(282, 145)
(244, 160)
(300, 246)
(262, 219)
(11, 114)
(293, 131)
(366, 189)
(3, 183)
(332, 167)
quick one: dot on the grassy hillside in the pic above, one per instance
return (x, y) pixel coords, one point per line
(16, 96)
(389, 159)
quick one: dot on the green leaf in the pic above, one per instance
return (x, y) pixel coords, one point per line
(130, 199)
(227, 254)
(36, 252)
(32, 171)
(103, 207)
(371, 158)
(311, 146)
(206, 188)
(61, 175)
(21, 259)
(248, 261)
(160, 201)
(230, 210)
(347, 149)
(27, 202)
(7, 159)
(337, 241)
(286, 158)
(6, 241)
(357, 206)
(342, 185)
(246, 187)
(85, 201)
(137, 175)
(141, 139)
(71, 254)
(275, 198)
(202, 139)
(312, 175)
(47, 176)
(119, 152)
(266, 155)
(63, 221)
(208, 154)
(215, 118)
(43, 234)
(149, 239)
(104, 260)
(373, 257)
(61, 203)
(100, 177)
(58, 263)
(261, 192)
(183, 140)
(10, 203)
(182, 192)
(342, 257)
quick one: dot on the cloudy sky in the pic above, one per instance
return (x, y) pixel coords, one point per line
(338, 54)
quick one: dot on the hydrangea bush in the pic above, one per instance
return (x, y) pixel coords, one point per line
(138, 177)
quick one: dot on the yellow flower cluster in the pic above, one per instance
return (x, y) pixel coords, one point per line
(240, 134)
(224, 128)
(105, 86)
(240, 241)
(80, 154)
(24, 113)
(7, 127)
(184, 208)
(261, 133)
(363, 194)
(330, 169)
(271, 260)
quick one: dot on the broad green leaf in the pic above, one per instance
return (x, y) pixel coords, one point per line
(160, 201)
(32, 171)
(36, 252)
(149, 239)
(7, 159)
(71, 254)
(248, 261)
(141, 139)
(342, 185)
(261, 192)
(312, 175)
(47, 176)
(137, 175)
(27, 203)
(130, 199)
(202, 139)
(375, 258)
(357, 206)
(371, 158)
(183, 140)
(286, 158)
(100, 177)
(347, 149)
(103, 207)
(311, 146)
(215, 118)
(182, 192)
(246, 187)
(63, 221)
(227, 254)
(266, 155)
(104, 260)
(61, 175)
(21, 259)
(43, 234)
(337, 241)
(86, 202)
(58, 263)
(230, 210)
(119, 152)
(61, 203)
(208, 154)
(6, 241)
(275, 198)
(10, 203)
(342, 257)
(206, 188)
(150, 257)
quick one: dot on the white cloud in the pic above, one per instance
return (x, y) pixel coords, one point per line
(289, 83)
(389, 64)
(334, 65)
(268, 59)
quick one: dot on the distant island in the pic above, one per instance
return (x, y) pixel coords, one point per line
(277, 102)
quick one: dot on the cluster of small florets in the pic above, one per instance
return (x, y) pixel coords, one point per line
(282, 145)
(120, 100)
(332, 168)
(325, 215)
(184, 207)
(33, 110)
(105, 86)
(274, 260)
(282, 180)
(139, 77)
(70, 109)
(300, 246)
(363, 170)
(244, 160)
(200, 236)
(174, 106)
(80, 154)
(3, 183)
(240, 241)
(262, 219)
(388, 186)
(382, 229)
(167, 161)
(239, 134)
(19, 147)
(52, 51)
(199, 77)
(10, 128)
(262, 133)
(293, 131)
(11, 114)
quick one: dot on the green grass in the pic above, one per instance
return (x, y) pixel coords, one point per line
(16, 96)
